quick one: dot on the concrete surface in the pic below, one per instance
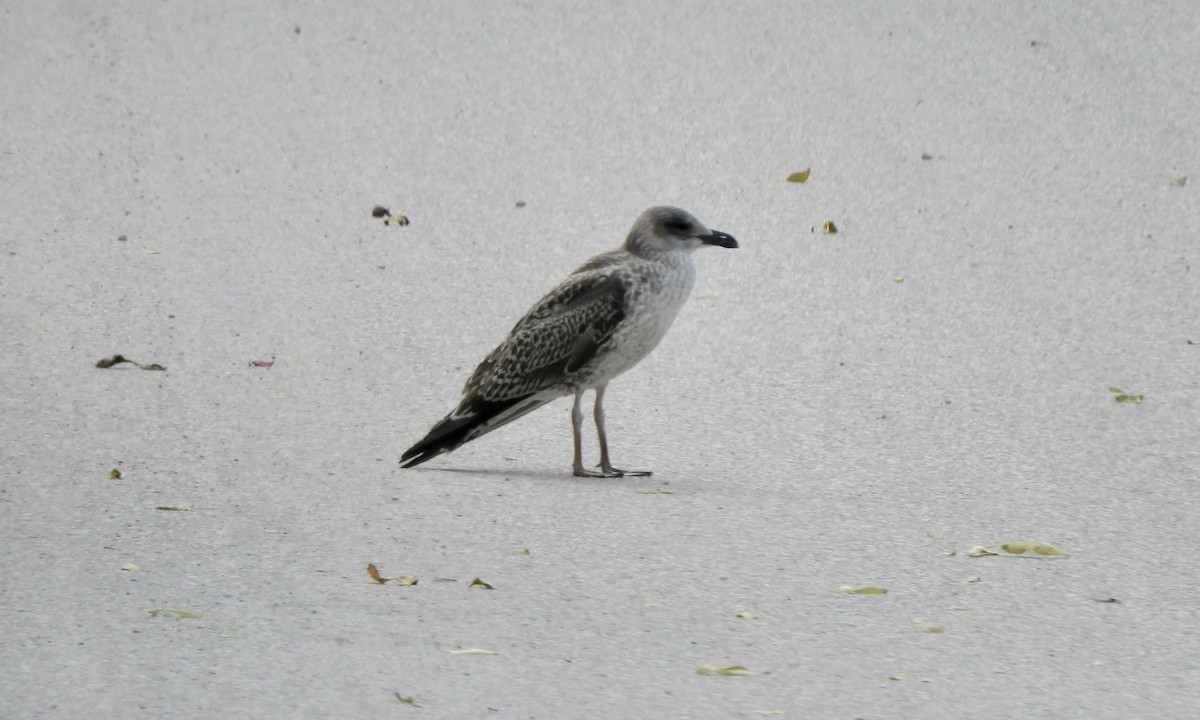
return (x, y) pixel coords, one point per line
(1013, 242)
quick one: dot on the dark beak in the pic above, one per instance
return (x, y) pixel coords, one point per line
(716, 237)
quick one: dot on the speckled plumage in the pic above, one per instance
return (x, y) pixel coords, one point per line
(602, 320)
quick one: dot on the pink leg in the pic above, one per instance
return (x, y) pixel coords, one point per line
(577, 426)
(606, 468)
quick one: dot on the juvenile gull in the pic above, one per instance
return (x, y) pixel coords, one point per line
(601, 321)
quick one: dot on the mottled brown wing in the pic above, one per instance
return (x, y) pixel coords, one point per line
(557, 337)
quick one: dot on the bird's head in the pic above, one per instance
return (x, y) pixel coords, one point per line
(666, 229)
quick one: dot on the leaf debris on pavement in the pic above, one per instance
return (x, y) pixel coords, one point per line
(177, 612)
(1123, 397)
(707, 669)
(380, 211)
(860, 590)
(377, 577)
(456, 650)
(118, 359)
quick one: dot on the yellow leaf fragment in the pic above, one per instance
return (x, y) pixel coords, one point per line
(861, 590)
(799, 177)
(115, 474)
(1038, 43)
(971, 579)
(479, 583)
(979, 551)
(177, 612)
(1042, 548)
(928, 627)
(1035, 546)
(455, 650)
(707, 669)
(1123, 397)
(407, 700)
(522, 553)
(130, 567)
(829, 227)
(374, 573)
(747, 616)
(1180, 181)
(406, 580)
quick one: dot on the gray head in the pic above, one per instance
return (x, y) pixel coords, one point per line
(665, 229)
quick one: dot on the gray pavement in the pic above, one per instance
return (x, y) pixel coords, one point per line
(191, 185)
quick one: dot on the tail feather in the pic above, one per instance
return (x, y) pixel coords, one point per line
(458, 428)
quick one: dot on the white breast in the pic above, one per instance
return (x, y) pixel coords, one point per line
(660, 288)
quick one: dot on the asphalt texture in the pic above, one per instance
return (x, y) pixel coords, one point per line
(191, 185)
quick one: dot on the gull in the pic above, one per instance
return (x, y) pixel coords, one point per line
(599, 322)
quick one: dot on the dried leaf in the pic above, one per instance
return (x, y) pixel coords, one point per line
(178, 612)
(181, 507)
(1039, 43)
(115, 474)
(455, 650)
(799, 177)
(707, 669)
(979, 551)
(406, 580)
(381, 212)
(522, 553)
(118, 359)
(1042, 548)
(1124, 397)
(1109, 600)
(1180, 181)
(374, 573)
(110, 361)
(928, 627)
(829, 228)
(407, 700)
(1035, 546)
(972, 579)
(477, 582)
(861, 590)
(747, 616)
(130, 567)
(262, 363)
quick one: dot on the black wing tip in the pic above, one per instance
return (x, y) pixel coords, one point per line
(412, 460)
(423, 452)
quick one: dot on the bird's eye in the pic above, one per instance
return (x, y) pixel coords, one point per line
(677, 226)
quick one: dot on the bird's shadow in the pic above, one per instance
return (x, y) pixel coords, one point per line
(550, 475)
